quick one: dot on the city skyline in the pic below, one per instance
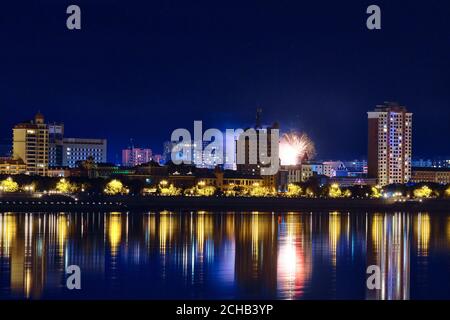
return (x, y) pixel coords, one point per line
(311, 67)
(211, 158)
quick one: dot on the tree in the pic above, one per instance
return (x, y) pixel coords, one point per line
(8, 185)
(115, 187)
(294, 190)
(447, 192)
(258, 191)
(65, 186)
(169, 191)
(335, 191)
(207, 191)
(423, 192)
(376, 192)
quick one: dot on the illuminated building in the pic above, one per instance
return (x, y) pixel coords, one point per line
(55, 150)
(66, 152)
(30, 143)
(334, 169)
(435, 175)
(12, 166)
(389, 148)
(132, 156)
(76, 150)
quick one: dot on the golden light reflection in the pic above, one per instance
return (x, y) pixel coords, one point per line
(255, 237)
(334, 233)
(149, 228)
(423, 231)
(204, 231)
(448, 229)
(8, 229)
(62, 233)
(230, 226)
(166, 228)
(114, 231)
(377, 231)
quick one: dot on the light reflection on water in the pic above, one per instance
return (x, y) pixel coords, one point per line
(225, 255)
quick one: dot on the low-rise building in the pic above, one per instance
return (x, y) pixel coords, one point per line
(334, 168)
(12, 166)
(59, 172)
(435, 175)
(353, 181)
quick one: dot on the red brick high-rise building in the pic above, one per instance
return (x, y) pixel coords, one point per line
(390, 144)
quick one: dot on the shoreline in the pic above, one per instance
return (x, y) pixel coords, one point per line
(180, 203)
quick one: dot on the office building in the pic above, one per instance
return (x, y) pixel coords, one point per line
(389, 144)
(66, 152)
(76, 150)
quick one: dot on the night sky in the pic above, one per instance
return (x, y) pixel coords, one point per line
(140, 69)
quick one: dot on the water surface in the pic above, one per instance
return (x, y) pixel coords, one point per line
(225, 255)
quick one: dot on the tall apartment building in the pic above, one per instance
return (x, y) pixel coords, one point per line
(132, 156)
(30, 143)
(390, 139)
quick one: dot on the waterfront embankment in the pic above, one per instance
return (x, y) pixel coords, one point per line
(84, 203)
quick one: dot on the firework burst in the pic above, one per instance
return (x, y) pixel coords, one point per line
(294, 146)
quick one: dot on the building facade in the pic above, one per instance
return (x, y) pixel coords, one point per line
(31, 144)
(55, 150)
(435, 175)
(75, 150)
(389, 144)
(12, 166)
(133, 157)
(334, 169)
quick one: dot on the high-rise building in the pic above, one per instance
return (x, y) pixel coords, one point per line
(55, 150)
(30, 143)
(254, 155)
(389, 150)
(132, 156)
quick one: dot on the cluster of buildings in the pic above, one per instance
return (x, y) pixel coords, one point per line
(42, 149)
(38, 148)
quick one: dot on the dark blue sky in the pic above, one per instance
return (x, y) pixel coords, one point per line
(139, 69)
